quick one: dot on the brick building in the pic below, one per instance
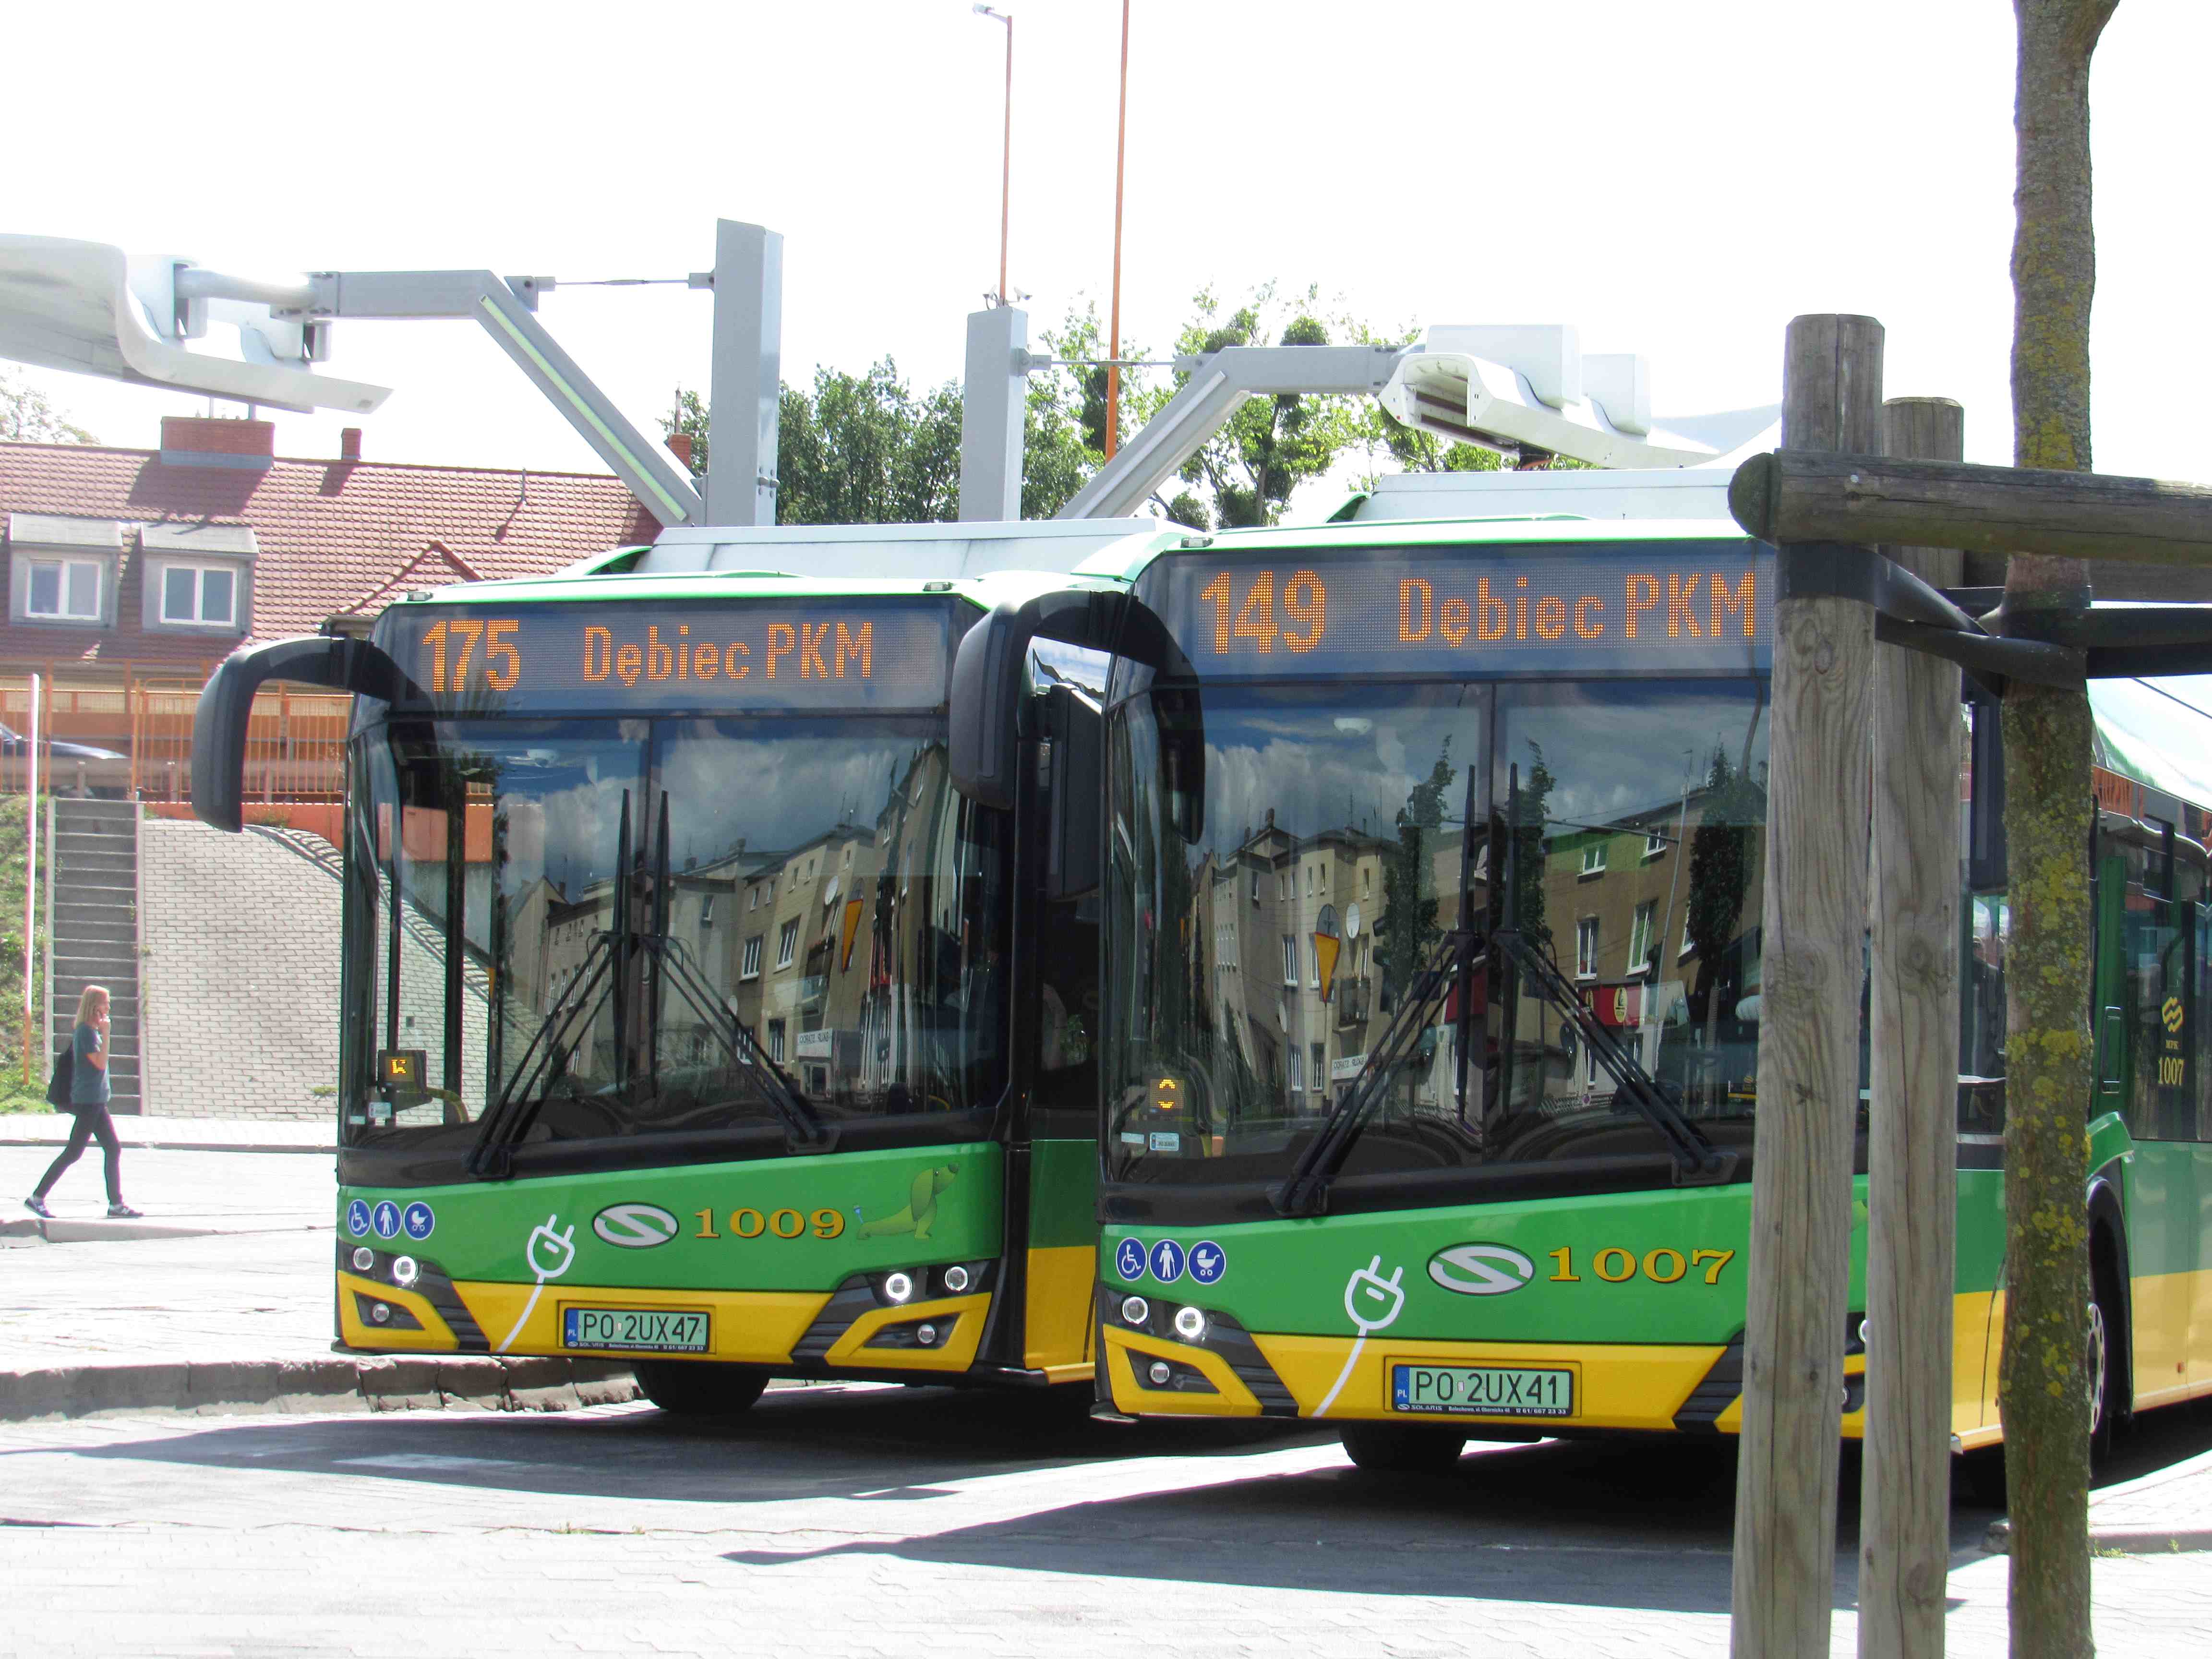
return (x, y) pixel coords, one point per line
(130, 573)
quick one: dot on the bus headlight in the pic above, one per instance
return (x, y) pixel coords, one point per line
(363, 1259)
(405, 1272)
(956, 1278)
(898, 1287)
(1135, 1311)
(1189, 1324)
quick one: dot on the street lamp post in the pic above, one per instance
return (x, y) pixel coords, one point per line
(1007, 148)
(1114, 343)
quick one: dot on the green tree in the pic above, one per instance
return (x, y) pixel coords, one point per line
(1244, 474)
(2044, 1388)
(27, 416)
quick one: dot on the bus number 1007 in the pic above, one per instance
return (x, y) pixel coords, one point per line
(1617, 1266)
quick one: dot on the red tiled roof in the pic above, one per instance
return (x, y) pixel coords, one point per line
(333, 535)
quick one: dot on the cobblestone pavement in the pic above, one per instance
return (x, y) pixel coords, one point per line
(258, 1287)
(879, 1521)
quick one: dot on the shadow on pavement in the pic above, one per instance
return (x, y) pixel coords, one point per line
(795, 1444)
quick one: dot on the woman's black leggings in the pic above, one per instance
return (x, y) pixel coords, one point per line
(91, 1121)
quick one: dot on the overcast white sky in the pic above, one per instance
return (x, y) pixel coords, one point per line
(1673, 179)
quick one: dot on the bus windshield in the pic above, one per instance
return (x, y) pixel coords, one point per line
(604, 930)
(1253, 975)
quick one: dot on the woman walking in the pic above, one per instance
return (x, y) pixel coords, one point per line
(90, 1091)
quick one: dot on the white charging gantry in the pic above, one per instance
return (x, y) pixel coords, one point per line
(1511, 388)
(92, 309)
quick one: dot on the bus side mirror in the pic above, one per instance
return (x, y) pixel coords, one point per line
(990, 667)
(218, 728)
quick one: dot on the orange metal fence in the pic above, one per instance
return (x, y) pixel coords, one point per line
(140, 732)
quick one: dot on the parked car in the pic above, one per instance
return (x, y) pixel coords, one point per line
(72, 769)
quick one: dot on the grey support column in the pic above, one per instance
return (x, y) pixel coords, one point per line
(994, 396)
(747, 375)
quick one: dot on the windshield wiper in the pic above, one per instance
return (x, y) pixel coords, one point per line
(1304, 1191)
(600, 978)
(1696, 1158)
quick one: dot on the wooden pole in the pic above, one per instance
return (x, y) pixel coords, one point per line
(1813, 927)
(1904, 1543)
(1866, 497)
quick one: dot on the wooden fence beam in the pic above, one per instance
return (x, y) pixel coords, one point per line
(1911, 1166)
(1866, 497)
(1812, 926)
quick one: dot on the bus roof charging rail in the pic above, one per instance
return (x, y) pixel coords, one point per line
(1503, 388)
(218, 728)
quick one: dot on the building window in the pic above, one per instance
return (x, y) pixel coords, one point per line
(1319, 1056)
(66, 589)
(1298, 1064)
(787, 943)
(750, 969)
(1586, 948)
(1593, 858)
(199, 593)
(1255, 887)
(1655, 843)
(1313, 964)
(706, 911)
(1642, 947)
(776, 1039)
(1290, 959)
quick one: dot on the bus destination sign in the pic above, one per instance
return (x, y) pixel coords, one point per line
(1665, 607)
(618, 658)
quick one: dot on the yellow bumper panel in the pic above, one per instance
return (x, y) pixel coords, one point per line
(748, 1326)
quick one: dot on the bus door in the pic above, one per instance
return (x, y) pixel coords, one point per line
(2151, 1057)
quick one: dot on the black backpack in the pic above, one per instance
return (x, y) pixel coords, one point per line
(64, 1073)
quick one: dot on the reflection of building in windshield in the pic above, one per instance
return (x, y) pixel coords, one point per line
(1287, 955)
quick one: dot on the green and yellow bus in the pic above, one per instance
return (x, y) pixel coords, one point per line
(691, 1018)
(1432, 981)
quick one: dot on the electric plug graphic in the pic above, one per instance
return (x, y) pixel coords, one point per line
(1372, 1300)
(549, 1253)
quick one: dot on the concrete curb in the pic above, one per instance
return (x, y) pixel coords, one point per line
(166, 1144)
(2122, 1540)
(68, 1230)
(340, 1384)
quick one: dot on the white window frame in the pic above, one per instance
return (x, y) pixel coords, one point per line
(775, 1041)
(1586, 948)
(1643, 948)
(787, 945)
(755, 944)
(199, 572)
(1295, 1056)
(1313, 963)
(1654, 844)
(1594, 857)
(1317, 1058)
(1291, 960)
(99, 612)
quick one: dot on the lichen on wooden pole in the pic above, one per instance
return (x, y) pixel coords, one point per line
(1813, 931)
(1905, 1532)
(2043, 1389)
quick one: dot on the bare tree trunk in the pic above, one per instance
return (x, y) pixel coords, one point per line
(2043, 1390)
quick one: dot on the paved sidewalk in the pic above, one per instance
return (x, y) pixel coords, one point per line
(219, 1300)
(2168, 1512)
(207, 1134)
